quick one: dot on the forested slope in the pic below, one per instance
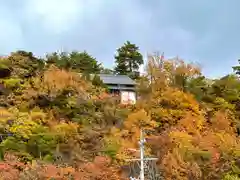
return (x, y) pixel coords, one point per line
(56, 123)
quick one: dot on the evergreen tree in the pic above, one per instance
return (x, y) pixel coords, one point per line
(77, 61)
(96, 81)
(128, 59)
(236, 69)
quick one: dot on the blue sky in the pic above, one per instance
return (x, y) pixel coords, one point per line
(203, 31)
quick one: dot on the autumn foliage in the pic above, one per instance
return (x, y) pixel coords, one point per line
(56, 123)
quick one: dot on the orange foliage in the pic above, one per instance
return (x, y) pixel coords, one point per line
(188, 145)
(164, 72)
(99, 169)
(193, 144)
(10, 168)
(129, 137)
(55, 80)
(172, 105)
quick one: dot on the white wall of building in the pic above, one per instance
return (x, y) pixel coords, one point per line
(128, 97)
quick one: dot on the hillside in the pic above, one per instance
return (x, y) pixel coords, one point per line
(57, 124)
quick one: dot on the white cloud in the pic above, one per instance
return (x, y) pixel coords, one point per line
(101, 26)
(56, 16)
(11, 36)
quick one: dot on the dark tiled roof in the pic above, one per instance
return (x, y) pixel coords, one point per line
(116, 79)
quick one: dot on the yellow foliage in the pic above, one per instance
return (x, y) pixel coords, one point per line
(176, 168)
(172, 105)
(128, 137)
(54, 81)
(192, 124)
(23, 127)
(174, 98)
(5, 115)
(193, 141)
(139, 119)
(163, 73)
(221, 122)
(181, 138)
(227, 143)
(38, 116)
(66, 129)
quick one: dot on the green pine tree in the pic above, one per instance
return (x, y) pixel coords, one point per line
(128, 59)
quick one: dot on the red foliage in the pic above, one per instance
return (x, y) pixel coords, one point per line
(99, 169)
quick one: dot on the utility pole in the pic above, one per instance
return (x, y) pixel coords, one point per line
(141, 143)
(142, 158)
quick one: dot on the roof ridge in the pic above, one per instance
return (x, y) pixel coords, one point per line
(114, 74)
(118, 79)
